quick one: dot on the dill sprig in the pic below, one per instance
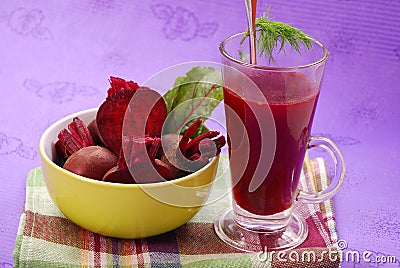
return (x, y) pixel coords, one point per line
(274, 34)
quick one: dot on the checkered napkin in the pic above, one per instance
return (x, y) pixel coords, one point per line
(47, 239)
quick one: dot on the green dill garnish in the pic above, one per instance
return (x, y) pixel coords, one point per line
(274, 34)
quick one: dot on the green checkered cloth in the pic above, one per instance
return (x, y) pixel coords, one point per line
(47, 239)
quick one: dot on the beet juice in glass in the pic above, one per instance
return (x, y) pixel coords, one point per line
(269, 109)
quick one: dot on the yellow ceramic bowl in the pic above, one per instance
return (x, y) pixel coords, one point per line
(122, 210)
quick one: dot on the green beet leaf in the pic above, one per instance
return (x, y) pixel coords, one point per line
(193, 96)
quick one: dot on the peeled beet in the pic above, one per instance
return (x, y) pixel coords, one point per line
(91, 162)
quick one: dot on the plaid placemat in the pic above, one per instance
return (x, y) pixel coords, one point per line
(47, 239)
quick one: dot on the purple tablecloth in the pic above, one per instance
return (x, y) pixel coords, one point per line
(56, 57)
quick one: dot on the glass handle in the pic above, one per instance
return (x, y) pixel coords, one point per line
(336, 181)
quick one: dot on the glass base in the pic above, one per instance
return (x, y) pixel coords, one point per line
(252, 241)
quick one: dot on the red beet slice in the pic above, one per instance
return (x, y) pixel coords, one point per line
(118, 175)
(119, 84)
(94, 130)
(189, 133)
(140, 153)
(142, 173)
(146, 114)
(110, 118)
(166, 171)
(75, 138)
(136, 151)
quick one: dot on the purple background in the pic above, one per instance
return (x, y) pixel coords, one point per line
(56, 57)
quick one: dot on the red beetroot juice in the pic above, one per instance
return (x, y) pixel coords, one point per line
(293, 111)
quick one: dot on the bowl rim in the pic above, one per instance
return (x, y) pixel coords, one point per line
(67, 118)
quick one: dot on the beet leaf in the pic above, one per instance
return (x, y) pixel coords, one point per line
(193, 96)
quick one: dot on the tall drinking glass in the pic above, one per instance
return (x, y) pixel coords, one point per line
(269, 109)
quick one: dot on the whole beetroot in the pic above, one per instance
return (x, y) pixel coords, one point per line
(91, 162)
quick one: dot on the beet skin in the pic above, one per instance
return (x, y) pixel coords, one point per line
(91, 162)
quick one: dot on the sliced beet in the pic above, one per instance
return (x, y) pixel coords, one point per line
(76, 137)
(118, 84)
(146, 114)
(135, 151)
(166, 171)
(142, 173)
(94, 130)
(118, 175)
(120, 114)
(110, 117)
